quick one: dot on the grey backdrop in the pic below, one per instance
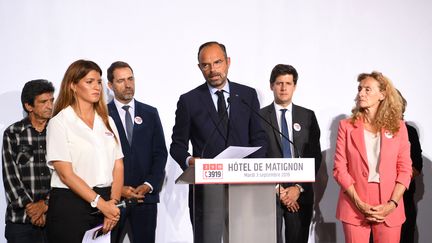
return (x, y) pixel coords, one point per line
(329, 42)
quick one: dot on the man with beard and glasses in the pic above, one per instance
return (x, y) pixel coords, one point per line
(205, 118)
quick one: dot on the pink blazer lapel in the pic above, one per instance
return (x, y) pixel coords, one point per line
(387, 146)
(357, 136)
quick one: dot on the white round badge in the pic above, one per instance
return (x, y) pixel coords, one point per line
(138, 120)
(297, 127)
(388, 134)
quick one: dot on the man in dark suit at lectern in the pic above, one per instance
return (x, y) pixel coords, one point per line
(301, 127)
(145, 154)
(212, 117)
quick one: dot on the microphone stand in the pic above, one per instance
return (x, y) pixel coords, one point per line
(268, 123)
(216, 128)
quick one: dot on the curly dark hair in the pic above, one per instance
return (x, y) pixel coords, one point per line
(34, 88)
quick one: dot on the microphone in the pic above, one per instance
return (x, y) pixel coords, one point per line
(122, 204)
(268, 123)
(217, 127)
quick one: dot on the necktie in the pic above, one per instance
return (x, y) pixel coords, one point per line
(128, 123)
(286, 147)
(222, 108)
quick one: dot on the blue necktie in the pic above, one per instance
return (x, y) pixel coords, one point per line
(128, 124)
(286, 147)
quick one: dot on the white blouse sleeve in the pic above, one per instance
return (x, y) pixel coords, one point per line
(57, 143)
(118, 152)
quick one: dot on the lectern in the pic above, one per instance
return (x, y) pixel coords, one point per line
(241, 199)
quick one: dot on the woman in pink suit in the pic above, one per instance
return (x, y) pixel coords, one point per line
(372, 163)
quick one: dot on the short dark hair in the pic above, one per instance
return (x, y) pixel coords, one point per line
(283, 69)
(34, 88)
(114, 66)
(210, 43)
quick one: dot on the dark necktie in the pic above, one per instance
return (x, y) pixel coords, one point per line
(128, 124)
(286, 147)
(222, 108)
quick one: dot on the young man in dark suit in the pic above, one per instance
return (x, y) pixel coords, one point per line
(144, 150)
(212, 117)
(296, 199)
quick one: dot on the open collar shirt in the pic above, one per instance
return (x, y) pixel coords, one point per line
(91, 151)
(26, 177)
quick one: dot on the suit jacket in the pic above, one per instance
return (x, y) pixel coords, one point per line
(306, 141)
(351, 168)
(145, 159)
(196, 121)
(416, 157)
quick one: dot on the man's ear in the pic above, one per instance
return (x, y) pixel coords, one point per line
(28, 107)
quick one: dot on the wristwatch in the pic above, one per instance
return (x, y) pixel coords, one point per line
(95, 201)
(300, 188)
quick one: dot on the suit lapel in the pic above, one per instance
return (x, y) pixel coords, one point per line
(386, 145)
(138, 113)
(273, 120)
(207, 101)
(296, 134)
(357, 137)
(116, 117)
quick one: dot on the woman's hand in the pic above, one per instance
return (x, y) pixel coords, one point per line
(380, 212)
(108, 225)
(363, 207)
(111, 213)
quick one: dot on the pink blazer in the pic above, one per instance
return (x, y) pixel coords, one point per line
(351, 168)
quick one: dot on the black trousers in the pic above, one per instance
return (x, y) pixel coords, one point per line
(69, 217)
(24, 233)
(142, 220)
(409, 226)
(296, 224)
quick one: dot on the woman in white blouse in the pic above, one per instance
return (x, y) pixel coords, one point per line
(85, 153)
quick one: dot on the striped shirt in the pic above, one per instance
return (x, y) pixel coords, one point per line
(26, 177)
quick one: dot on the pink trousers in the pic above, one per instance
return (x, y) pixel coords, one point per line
(380, 231)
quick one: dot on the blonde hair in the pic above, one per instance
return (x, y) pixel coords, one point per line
(75, 72)
(389, 112)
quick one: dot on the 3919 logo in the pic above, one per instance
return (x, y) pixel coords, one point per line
(212, 171)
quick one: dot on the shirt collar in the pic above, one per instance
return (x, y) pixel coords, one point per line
(119, 105)
(224, 88)
(27, 123)
(279, 107)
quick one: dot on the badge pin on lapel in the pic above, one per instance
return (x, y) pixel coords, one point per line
(138, 120)
(297, 127)
(388, 134)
